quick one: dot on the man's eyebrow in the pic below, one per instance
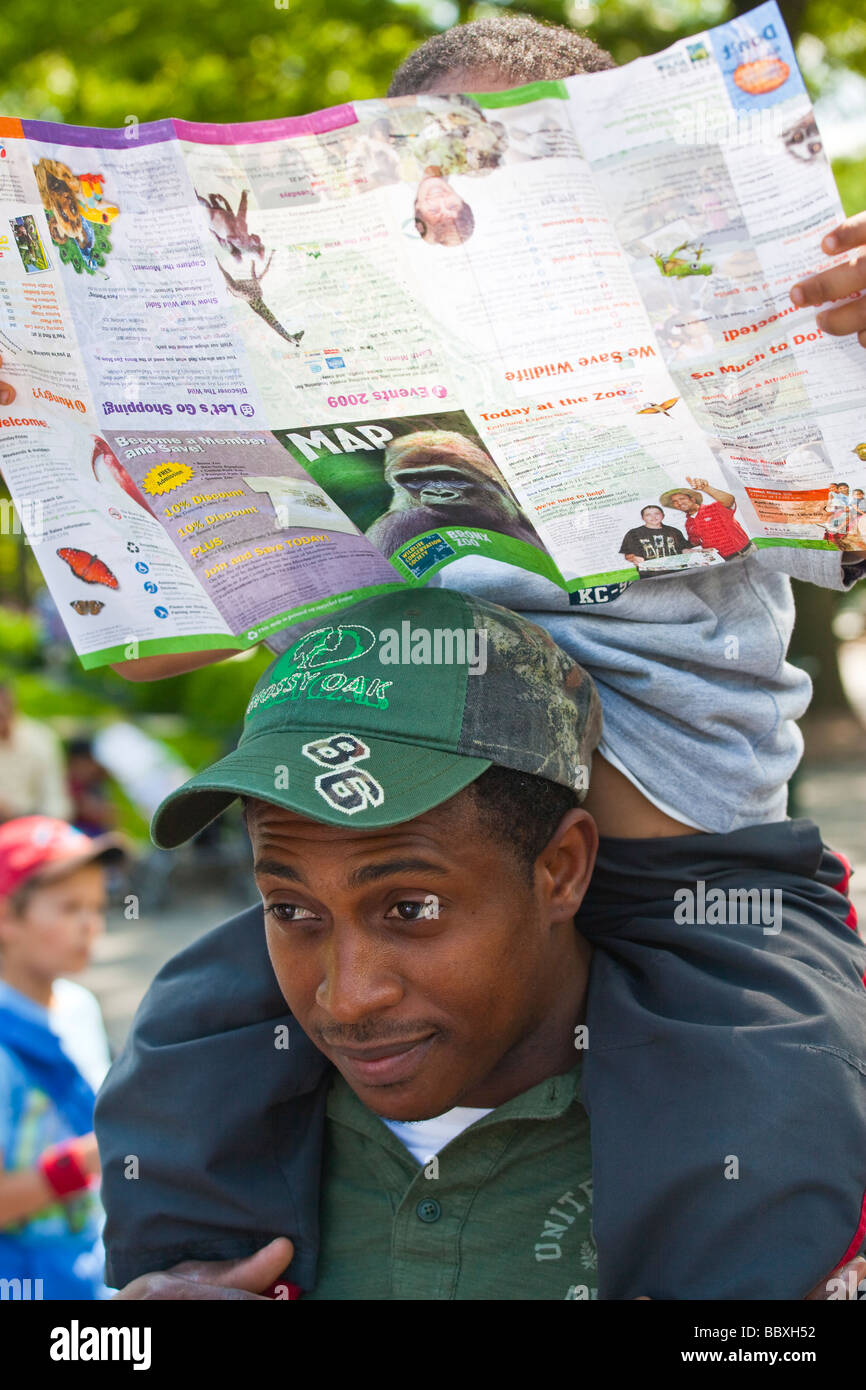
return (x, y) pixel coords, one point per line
(274, 868)
(370, 873)
(367, 873)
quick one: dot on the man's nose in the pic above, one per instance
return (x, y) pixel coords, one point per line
(358, 979)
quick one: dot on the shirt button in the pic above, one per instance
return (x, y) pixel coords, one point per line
(428, 1210)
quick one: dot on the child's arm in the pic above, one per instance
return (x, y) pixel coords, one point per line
(23, 1194)
(156, 668)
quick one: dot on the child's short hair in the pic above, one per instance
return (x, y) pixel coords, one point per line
(523, 49)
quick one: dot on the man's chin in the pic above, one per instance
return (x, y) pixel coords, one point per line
(405, 1090)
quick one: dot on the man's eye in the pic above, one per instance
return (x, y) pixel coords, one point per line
(411, 910)
(290, 912)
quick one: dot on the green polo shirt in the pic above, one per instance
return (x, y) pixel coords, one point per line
(503, 1212)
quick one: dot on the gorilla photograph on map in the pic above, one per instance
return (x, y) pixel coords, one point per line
(398, 479)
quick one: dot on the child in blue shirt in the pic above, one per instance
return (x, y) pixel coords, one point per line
(53, 1057)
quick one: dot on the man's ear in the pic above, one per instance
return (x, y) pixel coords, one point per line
(566, 863)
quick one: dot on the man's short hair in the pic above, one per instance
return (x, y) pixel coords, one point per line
(652, 507)
(523, 49)
(519, 809)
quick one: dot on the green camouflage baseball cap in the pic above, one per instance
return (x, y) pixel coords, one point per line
(396, 705)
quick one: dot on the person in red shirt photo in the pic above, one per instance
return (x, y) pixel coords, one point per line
(709, 524)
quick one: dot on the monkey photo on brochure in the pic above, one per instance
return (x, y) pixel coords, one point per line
(425, 473)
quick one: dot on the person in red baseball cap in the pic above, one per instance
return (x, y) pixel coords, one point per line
(53, 1057)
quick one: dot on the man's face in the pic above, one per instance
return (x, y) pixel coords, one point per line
(683, 502)
(653, 517)
(424, 960)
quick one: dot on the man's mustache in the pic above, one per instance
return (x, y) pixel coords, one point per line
(375, 1033)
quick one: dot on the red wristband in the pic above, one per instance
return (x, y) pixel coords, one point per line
(283, 1290)
(62, 1168)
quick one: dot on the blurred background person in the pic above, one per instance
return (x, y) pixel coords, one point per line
(32, 770)
(92, 810)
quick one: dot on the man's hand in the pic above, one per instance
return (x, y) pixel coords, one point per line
(701, 485)
(7, 392)
(839, 283)
(211, 1280)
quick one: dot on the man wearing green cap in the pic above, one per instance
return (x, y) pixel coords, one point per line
(421, 944)
(418, 1122)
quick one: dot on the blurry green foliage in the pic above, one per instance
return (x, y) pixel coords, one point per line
(19, 640)
(210, 60)
(206, 711)
(851, 179)
(204, 60)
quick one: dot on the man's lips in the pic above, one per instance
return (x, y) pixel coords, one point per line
(386, 1064)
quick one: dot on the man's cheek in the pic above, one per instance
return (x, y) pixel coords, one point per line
(290, 972)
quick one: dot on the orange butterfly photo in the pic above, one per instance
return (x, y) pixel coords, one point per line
(662, 409)
(87, 567)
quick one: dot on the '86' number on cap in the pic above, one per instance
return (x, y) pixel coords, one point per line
(345, 787)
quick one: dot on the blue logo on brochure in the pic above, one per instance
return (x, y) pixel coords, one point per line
(335, 362)
(421, 555)
(757, 60)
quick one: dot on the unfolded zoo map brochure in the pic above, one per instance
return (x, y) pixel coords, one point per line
(264, 370)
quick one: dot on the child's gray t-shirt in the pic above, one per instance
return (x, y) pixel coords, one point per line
(699, 702)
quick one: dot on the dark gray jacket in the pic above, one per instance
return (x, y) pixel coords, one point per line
(725, 1080)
